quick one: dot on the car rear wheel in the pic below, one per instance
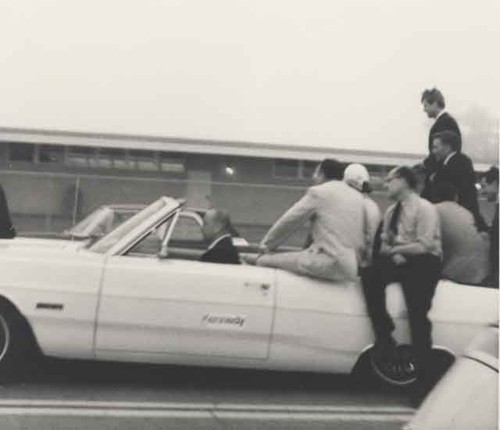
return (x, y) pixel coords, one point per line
(15, 344)
(401, 372)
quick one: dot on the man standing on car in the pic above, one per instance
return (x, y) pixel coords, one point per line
(410, 254)
(434, 106)
(7, 230)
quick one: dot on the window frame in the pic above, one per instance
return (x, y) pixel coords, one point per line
(275, 166)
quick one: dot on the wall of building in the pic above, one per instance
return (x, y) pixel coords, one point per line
(48, 193)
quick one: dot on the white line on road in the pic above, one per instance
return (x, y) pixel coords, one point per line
(204, 414)
(277, 412)
(229, 407)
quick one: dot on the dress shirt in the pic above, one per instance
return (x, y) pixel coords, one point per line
(418, 223)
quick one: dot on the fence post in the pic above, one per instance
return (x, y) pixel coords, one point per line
(75, 203)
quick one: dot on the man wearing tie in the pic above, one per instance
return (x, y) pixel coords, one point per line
(410, 254)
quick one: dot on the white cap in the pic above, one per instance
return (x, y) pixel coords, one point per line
(356, 175)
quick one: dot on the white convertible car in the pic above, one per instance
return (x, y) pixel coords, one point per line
(139, 295)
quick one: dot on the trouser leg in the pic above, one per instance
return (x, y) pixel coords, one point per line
(374, 281)
(419, 286)
(287, 261)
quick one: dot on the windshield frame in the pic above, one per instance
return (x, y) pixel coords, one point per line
(135, 228)
(83, 228)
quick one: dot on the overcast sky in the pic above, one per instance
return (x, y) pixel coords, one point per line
(340, 73)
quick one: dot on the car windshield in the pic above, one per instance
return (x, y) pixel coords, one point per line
(81, 229)
(105, 243)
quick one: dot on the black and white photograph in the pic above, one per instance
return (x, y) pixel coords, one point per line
(249, 214)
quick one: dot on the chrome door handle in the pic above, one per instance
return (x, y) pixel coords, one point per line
(264, 287)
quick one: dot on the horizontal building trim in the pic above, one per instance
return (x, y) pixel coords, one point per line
(208, 146)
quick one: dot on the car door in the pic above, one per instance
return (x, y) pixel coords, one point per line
(156, 307)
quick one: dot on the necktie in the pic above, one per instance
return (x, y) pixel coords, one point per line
(394, 221)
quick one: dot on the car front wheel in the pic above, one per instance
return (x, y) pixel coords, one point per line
(15, 344)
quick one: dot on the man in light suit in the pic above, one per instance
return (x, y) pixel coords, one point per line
(465, 250)
(336, 211)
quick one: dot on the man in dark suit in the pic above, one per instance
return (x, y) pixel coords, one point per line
(7, 230)
(456, 168)
(434, 106)
(490, 186)
(216, 230)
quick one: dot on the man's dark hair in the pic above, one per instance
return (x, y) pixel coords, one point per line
(446, 192)
(407, 173)
(449, 138)
(221, 217)
(433, 95)
(491, 175)
(332, 169)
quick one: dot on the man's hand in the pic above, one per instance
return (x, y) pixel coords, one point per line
(398, 259)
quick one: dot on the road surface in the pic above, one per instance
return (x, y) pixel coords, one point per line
(66, 395)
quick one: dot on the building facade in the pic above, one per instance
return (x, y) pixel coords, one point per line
(52, 179)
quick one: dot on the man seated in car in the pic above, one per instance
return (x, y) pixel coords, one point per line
(216, 231)
(336, 213)
(465, 250)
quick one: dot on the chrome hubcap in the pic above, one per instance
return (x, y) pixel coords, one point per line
(399, 369)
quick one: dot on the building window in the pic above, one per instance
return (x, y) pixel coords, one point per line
(172, 164)
(294, 169)
(22, 152)
(307, 169)
(51, 154)
(144, 160)
(113, 158)
(82, 156)
(286, 168)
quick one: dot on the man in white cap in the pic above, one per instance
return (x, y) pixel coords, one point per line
(357, 177)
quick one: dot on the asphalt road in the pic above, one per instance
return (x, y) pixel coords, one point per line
(83, 395)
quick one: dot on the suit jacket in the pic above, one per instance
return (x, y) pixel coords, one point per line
(494, 249)
(223, 252)
(337, 219)
(7, 230)
(459, 171)
(443, 123)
